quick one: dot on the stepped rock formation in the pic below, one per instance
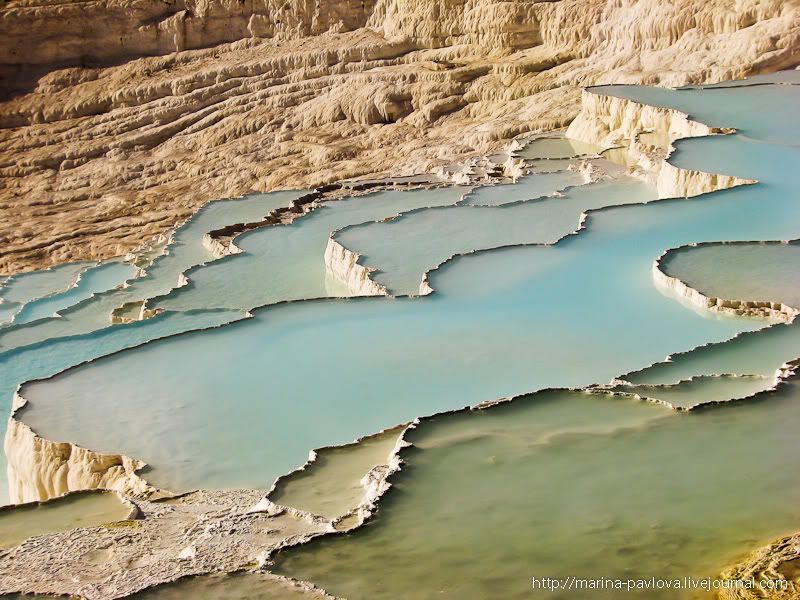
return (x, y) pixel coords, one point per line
(120, 118)
(608, 121)
(40, 469)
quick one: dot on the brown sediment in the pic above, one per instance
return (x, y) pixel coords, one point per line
(130, 114)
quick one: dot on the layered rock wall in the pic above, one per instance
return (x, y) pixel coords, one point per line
(39, 469)
(216, 98)
(38, 32)
(610, 121)
(342, 265)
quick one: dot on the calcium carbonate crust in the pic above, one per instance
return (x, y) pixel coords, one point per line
(207, 531)
(120, 118)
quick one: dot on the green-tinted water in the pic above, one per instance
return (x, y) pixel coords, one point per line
(503, 322)
(740, 271)
(490, 500)
(238, 586)
(77, 510)
(332, 485)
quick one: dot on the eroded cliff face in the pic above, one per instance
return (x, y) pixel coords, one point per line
(40, 469)
(185, 102)
(609, 122)
(38, 32)
(342, 265)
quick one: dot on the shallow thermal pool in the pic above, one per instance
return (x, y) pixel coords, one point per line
(543, 290)
(759, 269)
(487, 502)
(85, 509)
(565, 484)
(501, 323)
(405, 248)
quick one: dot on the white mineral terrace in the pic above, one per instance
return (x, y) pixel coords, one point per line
(564, 297)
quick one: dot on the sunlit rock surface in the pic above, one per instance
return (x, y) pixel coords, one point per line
(86, 509)
(237, 586)
(121, 118)
(550, 324)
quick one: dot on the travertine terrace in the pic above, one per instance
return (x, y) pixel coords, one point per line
(494, 313)
(120, 118)
(210, 531)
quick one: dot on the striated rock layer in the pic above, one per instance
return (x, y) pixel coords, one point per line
(609, 121)
(342, 265)
(40, 469)
(122, 117)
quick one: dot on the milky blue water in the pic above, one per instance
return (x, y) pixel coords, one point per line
(242, 404)
(286, 262)
(186, 251)
(45, 346)
(101, 278)
(25, 287)
(19, 290)
(48, 358)
(403, 249)
(525, 188)
(502, 322)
